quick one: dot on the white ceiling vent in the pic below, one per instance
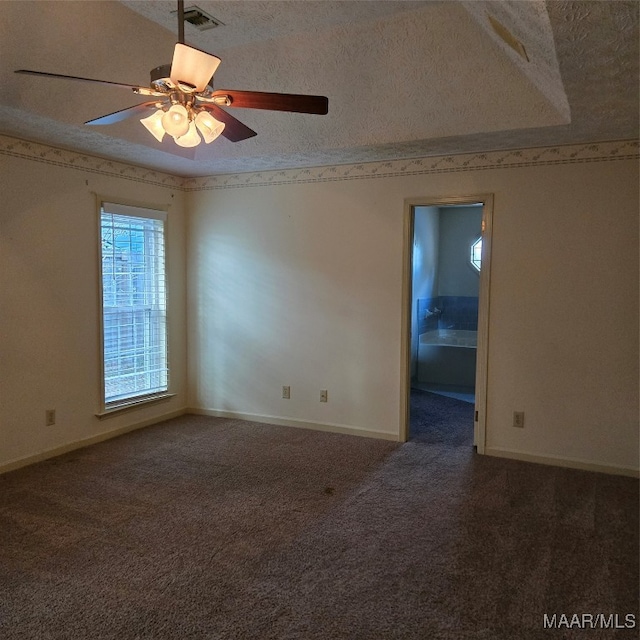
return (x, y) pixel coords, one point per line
(509, 38)
(200, 19)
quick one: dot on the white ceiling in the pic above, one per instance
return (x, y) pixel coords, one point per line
(403, 78)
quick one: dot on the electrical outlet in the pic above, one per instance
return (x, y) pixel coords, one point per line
(50, 417)
(286, 393)
(324, 395)
(518, 419)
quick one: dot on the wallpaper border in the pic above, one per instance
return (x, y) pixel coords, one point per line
(37, 152)
(561, 154)
(490, 160)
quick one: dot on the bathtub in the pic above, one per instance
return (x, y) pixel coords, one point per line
(450, 338)
(447, 356)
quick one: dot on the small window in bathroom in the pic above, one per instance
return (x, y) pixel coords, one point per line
(476, 254)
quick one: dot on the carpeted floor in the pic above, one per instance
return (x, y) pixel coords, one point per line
(222, 530)
(437, 419)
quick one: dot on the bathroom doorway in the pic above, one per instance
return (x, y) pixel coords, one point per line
(445, 298)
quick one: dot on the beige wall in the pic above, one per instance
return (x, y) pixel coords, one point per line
(460, 227)
(300, 285)
(49, 313)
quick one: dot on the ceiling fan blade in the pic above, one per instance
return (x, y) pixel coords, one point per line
(123, 114)
(134, 88)
(192, 67)
(234, 130)
(276, 101)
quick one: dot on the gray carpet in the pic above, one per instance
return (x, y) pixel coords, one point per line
(220, 529)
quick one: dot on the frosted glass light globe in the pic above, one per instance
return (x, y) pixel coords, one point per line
(153, 124)
(208, 126)
(176, 121)
(189, 139)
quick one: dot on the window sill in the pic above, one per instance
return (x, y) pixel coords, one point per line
(130, 405)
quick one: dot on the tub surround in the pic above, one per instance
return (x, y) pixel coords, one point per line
(459, 313)
(451, 338)
(447, 357)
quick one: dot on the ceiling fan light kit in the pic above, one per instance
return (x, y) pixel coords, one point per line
(183, 119)
(187, 107)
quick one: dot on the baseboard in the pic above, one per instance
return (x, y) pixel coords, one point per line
(571, 463)
(299, 424)
(85, 442)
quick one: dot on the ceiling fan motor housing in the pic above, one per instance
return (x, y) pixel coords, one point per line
(160, 77)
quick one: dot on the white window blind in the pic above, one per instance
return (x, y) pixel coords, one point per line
(134, 304)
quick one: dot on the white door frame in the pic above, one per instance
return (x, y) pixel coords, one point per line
(480, 416)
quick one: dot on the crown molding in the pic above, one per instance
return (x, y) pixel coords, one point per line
(491, 160)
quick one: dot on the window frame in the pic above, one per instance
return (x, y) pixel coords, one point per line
(153, 212)
(477, 268)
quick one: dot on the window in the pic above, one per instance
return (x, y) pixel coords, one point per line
(476, 254)
(134, 306)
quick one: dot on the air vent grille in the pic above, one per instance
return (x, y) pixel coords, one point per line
(200, 19)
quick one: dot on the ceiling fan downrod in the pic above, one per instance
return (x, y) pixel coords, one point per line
(181, 21)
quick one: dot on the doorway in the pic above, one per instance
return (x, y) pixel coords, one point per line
(445, 318)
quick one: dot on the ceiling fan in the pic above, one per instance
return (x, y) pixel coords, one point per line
(185, 102)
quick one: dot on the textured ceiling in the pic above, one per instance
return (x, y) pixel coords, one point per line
(404, 79)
